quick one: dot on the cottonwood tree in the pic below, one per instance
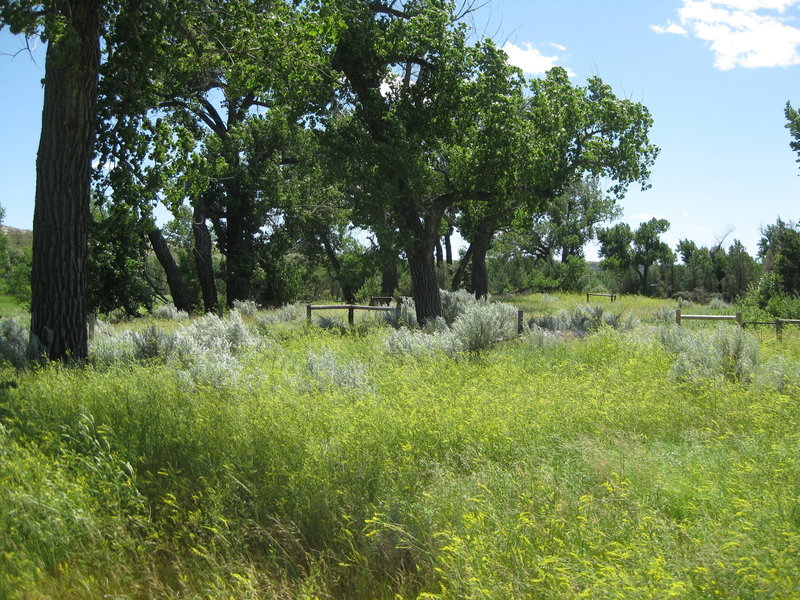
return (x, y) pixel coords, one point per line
(72, 30)
(413, 89)
(562, 132)
(623, 249)
(793, 125)
(215, 125)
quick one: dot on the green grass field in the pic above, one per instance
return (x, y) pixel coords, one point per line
(301, 462)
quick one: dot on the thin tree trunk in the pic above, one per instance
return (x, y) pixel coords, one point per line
(458, 278)
(240, 260)
(202, 257)
(174, 280)
(480, 274)
(448, 248)
(347, 291)
(439, 252)
(387, 254)
(63, 169)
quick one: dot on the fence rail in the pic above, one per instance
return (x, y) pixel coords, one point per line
(779, 326)
(680, 317)
(351, 308)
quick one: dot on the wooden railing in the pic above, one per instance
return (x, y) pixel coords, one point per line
(351, 308)
(680, 317)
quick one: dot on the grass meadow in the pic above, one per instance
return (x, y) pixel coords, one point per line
(265, 457)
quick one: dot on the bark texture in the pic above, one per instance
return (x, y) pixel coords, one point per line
(174, 280)
(202, 257)
(63, 168)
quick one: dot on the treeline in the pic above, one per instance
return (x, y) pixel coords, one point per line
(284, 125)
(298, 141)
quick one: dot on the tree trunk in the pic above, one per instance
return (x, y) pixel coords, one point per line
(63, 170)
(458, 278)
(202, 257)
(448, 247)
(480, 247)
(387, 254)
(424, 284)
(174, 280)
(422, 235)
(347, 291)
(238, 267)
(439, 252)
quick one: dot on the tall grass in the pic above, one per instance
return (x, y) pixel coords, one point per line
(330, 468)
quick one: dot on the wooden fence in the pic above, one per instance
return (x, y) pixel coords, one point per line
(779, 326)
(680, 317)
(351, 308)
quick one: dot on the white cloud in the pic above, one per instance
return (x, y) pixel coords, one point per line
(646, 217)
(702, 228)
(531, 60)
(685, 214)
(669, 28)
(742, 33)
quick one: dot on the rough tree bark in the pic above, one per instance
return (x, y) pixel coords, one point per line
(480, 247)
(174, 280)
(63, 166)
(202, 256)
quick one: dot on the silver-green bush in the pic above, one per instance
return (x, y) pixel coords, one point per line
(14, 343)
(327, 372)
(246, 307)
(483, 324)
(169, 312)
(728, 353)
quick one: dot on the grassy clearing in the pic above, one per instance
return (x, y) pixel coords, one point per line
(548, 467)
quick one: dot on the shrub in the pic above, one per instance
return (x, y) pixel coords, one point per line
(718, 304)
(285, 314)
(212, 333)
(780, 374)
(169, 312)
(248, 308)
(153, 344)
(14, 344)
(454, 304)
(483, 324)
(665, 314)
(405, 317)
(328, 372)
(419, 344)
(585, 318)
(729, 353)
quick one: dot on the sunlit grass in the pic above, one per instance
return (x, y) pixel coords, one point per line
(331, 468)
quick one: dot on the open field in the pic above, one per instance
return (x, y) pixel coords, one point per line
(269, 458)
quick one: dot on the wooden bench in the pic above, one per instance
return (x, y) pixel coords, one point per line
(380, 301)
(612, 296)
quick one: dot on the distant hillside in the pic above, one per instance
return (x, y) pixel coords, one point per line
(17, 238)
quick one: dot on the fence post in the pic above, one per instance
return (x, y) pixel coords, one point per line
(350, 311)
(779, 329)
(587, 297)
(739, 319)
(308, 312)
(678, 316)
(520, 322)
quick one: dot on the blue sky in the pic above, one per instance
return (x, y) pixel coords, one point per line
(715, 76)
